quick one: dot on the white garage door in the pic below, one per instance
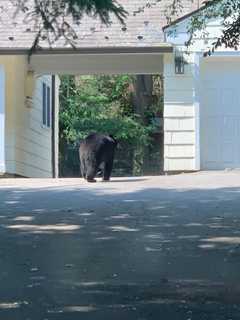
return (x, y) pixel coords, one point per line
(220, 114)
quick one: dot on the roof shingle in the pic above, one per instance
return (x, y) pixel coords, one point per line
(143, 28)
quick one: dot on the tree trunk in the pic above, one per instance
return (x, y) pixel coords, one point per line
(142, 95)
(142, 100)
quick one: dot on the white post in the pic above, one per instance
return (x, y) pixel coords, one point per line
(196, 74)
(2, 121)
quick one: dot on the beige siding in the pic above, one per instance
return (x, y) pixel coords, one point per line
(33, 146)
(28, 142)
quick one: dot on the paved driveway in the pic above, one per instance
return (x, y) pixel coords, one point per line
(134, 249)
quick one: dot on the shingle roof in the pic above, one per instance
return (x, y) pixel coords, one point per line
(143, 28)
(188, 14)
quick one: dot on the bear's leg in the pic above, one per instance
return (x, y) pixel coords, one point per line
(82, 158)
(91, 173)
(83, 168)
(108, 165)
(100, 169)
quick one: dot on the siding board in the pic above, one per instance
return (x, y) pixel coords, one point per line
(179, 118)
(179, 151)
(28, 142)
(179, 124)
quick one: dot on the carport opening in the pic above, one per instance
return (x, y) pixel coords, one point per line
(130, 107)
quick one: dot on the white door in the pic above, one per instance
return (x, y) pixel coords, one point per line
(220, 114)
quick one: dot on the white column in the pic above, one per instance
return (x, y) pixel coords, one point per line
(197, 92)
(58, 83)
(2, 120)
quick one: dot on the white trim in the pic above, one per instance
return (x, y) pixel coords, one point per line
(2, 121)
(196, 103)
(223, 54)
(2, 168)
(48, 108)
(97, 64)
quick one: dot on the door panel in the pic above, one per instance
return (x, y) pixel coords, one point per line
(220, 115)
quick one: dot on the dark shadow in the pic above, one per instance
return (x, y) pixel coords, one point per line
(108, 253)
(125, 180)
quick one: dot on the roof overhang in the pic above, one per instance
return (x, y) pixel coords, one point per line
(161, 48)
(145, 60)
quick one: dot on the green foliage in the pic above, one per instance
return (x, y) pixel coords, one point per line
(100, 104)
(229, 13)
(227, 10)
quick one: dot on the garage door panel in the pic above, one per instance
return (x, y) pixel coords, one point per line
(210, 136)
(220, 115)
(209, 98)
(228, 104)
(229, 128)
(212, 154)
(210, 128)
(227, 153)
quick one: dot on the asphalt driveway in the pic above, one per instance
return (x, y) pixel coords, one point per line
(135, 248)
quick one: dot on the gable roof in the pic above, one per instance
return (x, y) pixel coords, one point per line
(143, 29)
(201, 7)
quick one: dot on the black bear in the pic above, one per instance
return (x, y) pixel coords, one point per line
(96, 153)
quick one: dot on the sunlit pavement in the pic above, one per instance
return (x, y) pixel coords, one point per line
(132, 249)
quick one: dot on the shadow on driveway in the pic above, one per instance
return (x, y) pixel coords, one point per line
(153, 253)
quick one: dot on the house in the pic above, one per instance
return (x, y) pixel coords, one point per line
(28, 120)
(29, 100)
(201, 118)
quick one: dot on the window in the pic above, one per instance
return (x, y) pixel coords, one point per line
(46, 105)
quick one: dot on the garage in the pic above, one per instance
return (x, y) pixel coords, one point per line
(220, 113)
(201, 100)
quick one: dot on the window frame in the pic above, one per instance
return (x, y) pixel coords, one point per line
(46, 106)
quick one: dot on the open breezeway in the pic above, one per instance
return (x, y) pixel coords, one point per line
(137, 248)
